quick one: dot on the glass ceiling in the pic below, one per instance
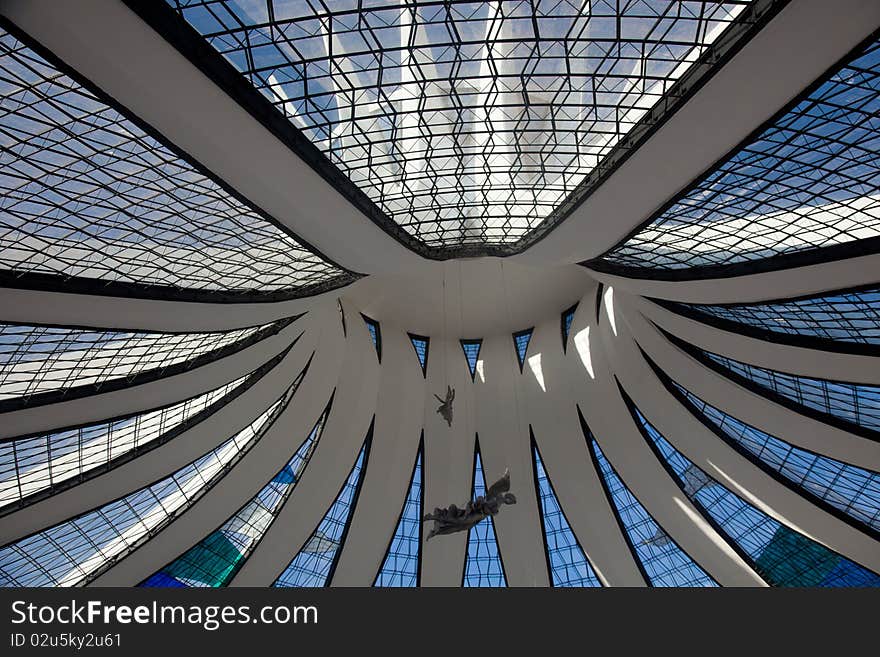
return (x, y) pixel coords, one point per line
(463, 123)
(88, 196)
(44, 462)
(839, 321)
(76, 551)
(42, 364)
(806, 183)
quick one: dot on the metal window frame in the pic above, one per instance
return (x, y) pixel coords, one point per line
(222, 472)
(754, 460)
(791, 339)
(471, 341)
(589, 437)
(525, 332)
(421, 338)
(490, 519)
(767, 393)
(420, 456)
(535, 451)
(135, 452)
(702, 509)
(372, 323)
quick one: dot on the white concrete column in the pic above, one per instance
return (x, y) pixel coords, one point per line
(449, 457)
(502, 426)
(163, 460)
(571, 380)
(747, 406)
(800, 361)
(399, 416)
(354, 404)
(721, 462)
(626, 449)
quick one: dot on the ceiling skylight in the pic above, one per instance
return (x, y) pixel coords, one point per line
(464, 123)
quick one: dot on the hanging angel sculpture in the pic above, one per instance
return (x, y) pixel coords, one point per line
(453, 519)
(445, 408)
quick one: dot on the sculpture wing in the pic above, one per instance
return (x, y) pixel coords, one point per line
(500, 486)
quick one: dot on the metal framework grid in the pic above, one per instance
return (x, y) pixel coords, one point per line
(846, 321)
(45, 364)
(76, 551)
(851, 490)
(93, 196)
(315, 563)
(451, 125)
(402, 565)
(567, 565)
(483, 565)
(803, 188)
(782, 556)
(215, 560)
(660, 559)
(36, 467)
(521, 341)
(853, 407)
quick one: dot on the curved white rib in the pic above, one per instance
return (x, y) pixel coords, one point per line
(66, 309)
(166, 390)
(241, 483)
(800, 361)
(687, 434)
(164, 459)
(632, 458)
(400, 409)
(750, 407)
(766, 286)
(341, 441)
(502, 425)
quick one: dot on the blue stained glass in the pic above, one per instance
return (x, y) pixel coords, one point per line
(663, 561)
(567, 318)
(852, 316)
(857, 404)
(569, 565)
(521, 342)
(482, 565)
(850, 489)
(472, 354)
(313, 564)
(401, 565)
(420, 344)
(161, 580)
(373, 328)
(218, 558)
(780, 555)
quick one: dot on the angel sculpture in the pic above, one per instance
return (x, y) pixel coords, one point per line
(452, 519)
(445, 408)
